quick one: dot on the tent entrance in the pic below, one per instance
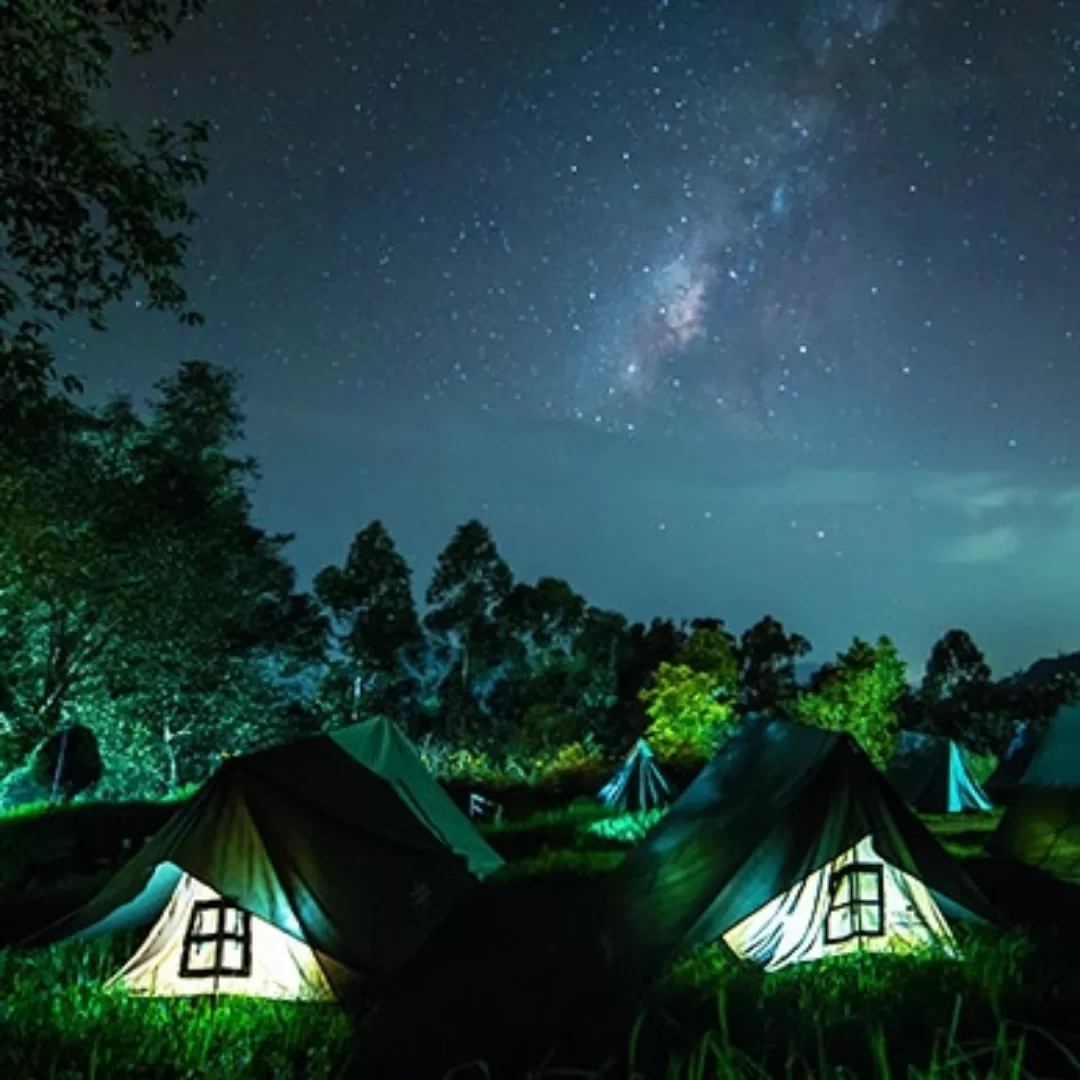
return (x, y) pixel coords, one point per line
(856, 903)
(205, 944)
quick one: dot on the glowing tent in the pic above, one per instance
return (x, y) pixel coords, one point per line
(931, 774)
(1041, 826)
(639, 784)
(789, 846)
(293, 873)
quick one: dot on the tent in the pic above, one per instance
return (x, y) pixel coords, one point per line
(293, 873)
(1041, 826)
(930, 773)
(789, 846)
(1005, 778)
(639, 784)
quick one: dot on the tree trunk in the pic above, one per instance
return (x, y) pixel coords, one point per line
(172, 777)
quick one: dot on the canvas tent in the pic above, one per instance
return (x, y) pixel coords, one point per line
(1006, 777)
(293, 873)
(931, 774)
(789, 846)
(639, 784)
(1041, 826)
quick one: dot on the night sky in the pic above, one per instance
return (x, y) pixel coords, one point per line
(714, 308)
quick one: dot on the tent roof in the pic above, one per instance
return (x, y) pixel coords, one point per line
(1056, 760)
(344, 841)
(930, 773)
(779, 801)
(1004, 779)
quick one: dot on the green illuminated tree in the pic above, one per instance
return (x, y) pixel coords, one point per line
(138, 597)
(88, 212)
(691, 701)
(372, 604)
(859, 694)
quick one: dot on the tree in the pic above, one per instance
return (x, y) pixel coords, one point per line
(470, 584)
(87, 213)
(957, 698)
(859, 694)
(372, 603)
(955, 663)
(691, 702)
(767, 656)
(137, 596)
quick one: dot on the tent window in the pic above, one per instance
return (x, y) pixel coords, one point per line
(856, 903)
(217, 941)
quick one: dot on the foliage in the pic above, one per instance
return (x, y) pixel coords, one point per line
(470, 582)
(767, 655)
(691, 703)
(372, 604)
(138, 598)
(573, 759)
(87, 212)
(858, 694)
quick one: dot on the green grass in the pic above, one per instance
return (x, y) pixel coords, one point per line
(988, 1017)
(60, 1023)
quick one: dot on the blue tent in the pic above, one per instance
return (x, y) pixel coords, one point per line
(639, 784)
(931, 775)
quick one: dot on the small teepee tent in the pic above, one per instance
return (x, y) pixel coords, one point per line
(1041, 826)
(639, 784)
(789, 846)
(293, 873)
(1005, 779)
(931, 775)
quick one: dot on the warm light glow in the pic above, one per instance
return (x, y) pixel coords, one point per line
(280, 966)
(792, 929)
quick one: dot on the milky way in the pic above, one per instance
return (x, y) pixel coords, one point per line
(727, 320)
(711, 307)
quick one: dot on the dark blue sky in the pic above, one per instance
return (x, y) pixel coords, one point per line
(715, 308)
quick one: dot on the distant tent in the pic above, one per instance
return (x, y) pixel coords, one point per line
(1041, 826)
(293, 873)
(930, 773)
(639, 784)
(788, 847)
(1005, 778)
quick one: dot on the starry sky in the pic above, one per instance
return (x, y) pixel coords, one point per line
(714, 307)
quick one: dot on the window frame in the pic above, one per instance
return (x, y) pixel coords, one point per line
(857, 902)
(219, 938)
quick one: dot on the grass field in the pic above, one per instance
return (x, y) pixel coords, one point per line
(502, 991)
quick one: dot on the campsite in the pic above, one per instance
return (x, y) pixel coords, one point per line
(501, 987)
(535, 540)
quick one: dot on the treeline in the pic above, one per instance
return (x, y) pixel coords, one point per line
(140, 601)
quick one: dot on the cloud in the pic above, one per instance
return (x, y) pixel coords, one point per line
(978, 493)
(978, 549)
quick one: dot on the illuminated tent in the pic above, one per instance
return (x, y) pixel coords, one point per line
(639, 784)
(1005, 779)
(1041, 826)
(293, 873)
(930, 773)
(788, 847)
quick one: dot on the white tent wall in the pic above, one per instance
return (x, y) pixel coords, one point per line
(280, 966)
(795, 927)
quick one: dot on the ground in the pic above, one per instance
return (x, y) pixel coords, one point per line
(513, 986)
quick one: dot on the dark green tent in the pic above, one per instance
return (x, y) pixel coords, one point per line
(344, 841)
(931, 775)
(779, 804)
(1041, 826)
